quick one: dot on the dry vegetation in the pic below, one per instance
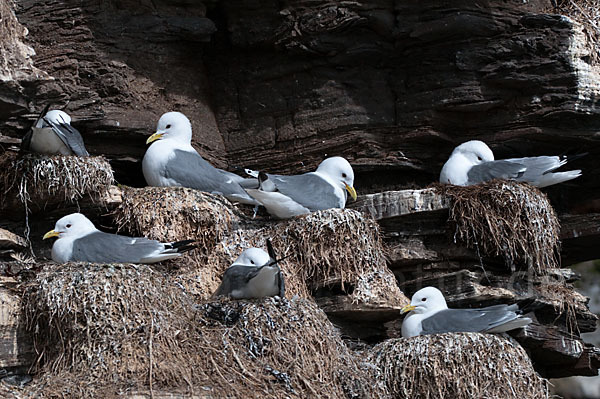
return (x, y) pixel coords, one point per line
(457, 366)
(38, 181)
(509, 219)
(332, 247)
(102, 331)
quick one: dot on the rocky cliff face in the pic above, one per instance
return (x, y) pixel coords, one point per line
(391, 86)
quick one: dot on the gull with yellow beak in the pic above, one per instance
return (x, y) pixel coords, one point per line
(80, 241)
(287, 196)
(429, 314)
(172, 161)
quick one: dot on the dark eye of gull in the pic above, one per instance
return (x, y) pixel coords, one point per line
(168, 126)
(69, 225)
(424, 299)
(479, 158)
(343, 175)
(252, 261)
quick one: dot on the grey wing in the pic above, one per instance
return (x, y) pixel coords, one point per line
(538, 166)
(26, 142)
(191, 170)
(467, 320)
(70, 136)
(236, 277)
(242, 181)
(309, 190)
(100, 247)
(495, 170)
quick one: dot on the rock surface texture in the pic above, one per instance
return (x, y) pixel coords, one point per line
(393, 86)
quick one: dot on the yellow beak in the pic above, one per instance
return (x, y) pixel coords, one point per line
(407, 308)
(51, 233)
(154, 137)
(351, 191)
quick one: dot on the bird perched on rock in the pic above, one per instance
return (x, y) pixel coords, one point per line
(473, 162)
(288, 196)
(429, 314)
(53, 134)
(172, 161)
(80, 241)
(254, 274)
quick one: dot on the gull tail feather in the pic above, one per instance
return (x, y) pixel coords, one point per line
(557, 177)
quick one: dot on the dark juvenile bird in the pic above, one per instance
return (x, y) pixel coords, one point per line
(473, 162)
(429, 314)
(53, 134)
(254, 274)
(80, 241)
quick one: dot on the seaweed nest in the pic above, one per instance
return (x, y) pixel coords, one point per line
(506, 218)
(45, 180)
(456, 365)
(104, 331)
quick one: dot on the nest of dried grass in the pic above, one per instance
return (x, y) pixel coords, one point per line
(104, 331)
(506, 218)
(176, 213)
(456, 365)
(332, 247)
(39, 181)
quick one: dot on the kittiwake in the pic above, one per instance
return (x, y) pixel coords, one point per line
(288, 196)
(80, 241)
(53, 134)
(429, 314)
(254, 274)
(473, 162)
(172, 161)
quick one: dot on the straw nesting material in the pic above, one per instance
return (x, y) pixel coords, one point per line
(102, 331)
(506, 218)
(39, 181)
(457, 366)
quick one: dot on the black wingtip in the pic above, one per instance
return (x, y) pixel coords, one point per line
(529, 305)
(186, 248)
(270, 249)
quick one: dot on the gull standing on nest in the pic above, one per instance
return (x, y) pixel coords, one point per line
(254, 274)
(473, 162)
(172, 161)
(429, 314)
(287, 196)
(53, 134)
(80, 241)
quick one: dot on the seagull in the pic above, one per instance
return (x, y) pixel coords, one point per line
(254, 274)
(53, 134)
(288, 196)
(473, 162)
(429, 314)
(172, 161)
(80, 241)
